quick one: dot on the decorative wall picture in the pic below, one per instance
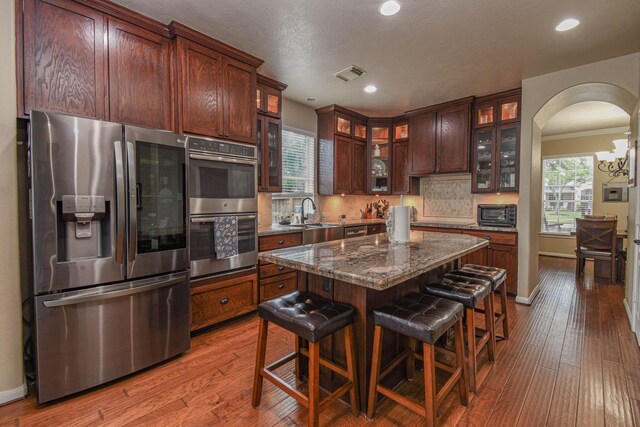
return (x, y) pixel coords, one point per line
(633, 163)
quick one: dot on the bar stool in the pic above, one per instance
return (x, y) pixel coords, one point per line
(497, 277)
(470, 291)
(312, 318)
(423, 318)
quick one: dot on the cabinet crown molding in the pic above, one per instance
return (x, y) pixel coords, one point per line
(432, 108)
(268, 81)
(178, 29)
(120, 12)
(500, 95)
(339, 109)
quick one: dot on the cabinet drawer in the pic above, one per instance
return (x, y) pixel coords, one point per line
(279, 241)
(436, 229)
(376, 228)
(276, 286)
(510, 239)
(212, 303)
(270, 270)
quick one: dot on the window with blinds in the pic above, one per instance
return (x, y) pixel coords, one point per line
(298, 173)
(298, 164)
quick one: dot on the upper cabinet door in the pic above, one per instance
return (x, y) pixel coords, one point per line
(272, 101)
(343, 124)
(64, 58)
(453, 140)
(359, 174)
(400, 162)
(200, 78)
(343, 166)
(422, 144)
(239, 86)
(139, 77)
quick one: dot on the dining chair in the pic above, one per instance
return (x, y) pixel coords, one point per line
(596, 239)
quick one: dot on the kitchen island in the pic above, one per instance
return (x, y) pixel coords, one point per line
(366, 273)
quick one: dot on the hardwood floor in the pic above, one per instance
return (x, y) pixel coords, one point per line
(572, 360)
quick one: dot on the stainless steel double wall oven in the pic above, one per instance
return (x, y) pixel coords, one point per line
(110, 258)
(222, 182)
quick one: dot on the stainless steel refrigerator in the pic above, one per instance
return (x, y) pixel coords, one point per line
(110, 263)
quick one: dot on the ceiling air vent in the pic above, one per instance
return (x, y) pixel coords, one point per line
(350, 73)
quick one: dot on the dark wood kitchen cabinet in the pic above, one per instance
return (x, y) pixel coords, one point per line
(140, 67)
(439, 138)
(216, 91)
(199, 77)
(342, 151)
(401, 181)
(219, 298)
(63, 58)
(269, 140)
(359, 174)
(380, 156)
(496, 143)
(277, 280)
(269, 134)
(269, 96)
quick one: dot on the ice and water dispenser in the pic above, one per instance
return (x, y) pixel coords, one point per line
(83, 225)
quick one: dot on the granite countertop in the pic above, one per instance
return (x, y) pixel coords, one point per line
(287, 229)
(462, 226)
(373, 262)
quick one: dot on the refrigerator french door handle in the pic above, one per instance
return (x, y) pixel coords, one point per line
(133, 216)
(121, 202)
(109, 295)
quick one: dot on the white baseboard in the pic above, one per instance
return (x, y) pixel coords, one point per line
(7, 396)
(557, 255)
(532, 296)
(629, 315)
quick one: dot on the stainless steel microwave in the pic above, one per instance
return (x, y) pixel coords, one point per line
(497, 215)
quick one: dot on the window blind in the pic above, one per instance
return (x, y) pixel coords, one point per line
(298, 164)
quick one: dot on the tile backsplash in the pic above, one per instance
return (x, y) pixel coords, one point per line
(442, 198)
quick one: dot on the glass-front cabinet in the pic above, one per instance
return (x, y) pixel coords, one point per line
(269, 96)
(401, 131)
(508, 136)
(380, 159)
(484, 148)
(496, 143)
(269, 154)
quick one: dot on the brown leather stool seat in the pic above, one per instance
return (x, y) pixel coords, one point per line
(497, 277)
(469, 291)
(307, 315)
(423, 318)
(310, 317)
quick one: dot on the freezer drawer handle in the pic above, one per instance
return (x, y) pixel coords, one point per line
(224, 301)
(115, 294)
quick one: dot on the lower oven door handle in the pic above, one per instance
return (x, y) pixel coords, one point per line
(108, 295)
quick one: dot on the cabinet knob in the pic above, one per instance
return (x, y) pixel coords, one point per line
(281, 242)
(433, 170)
(281, 286)
(281, 268)
(487, 237)
(227, 135)
(220, 133)
(224, 301)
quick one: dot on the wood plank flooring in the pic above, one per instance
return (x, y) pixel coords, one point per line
(572, 360)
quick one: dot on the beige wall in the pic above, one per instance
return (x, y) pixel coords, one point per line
(585, 145)
(11, 376)
(298, 116)
(542, 97)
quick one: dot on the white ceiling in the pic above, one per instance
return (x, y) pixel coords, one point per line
(431, 51)
(586, 116)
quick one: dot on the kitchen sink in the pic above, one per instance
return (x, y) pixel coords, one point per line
(321, 232)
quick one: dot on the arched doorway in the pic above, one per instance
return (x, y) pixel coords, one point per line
(531, 204)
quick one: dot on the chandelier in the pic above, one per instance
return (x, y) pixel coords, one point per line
(616, 162)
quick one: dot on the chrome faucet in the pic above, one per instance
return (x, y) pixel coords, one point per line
(304, 217)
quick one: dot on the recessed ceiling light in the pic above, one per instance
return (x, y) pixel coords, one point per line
(312, 99)
(370, 89)
(568, 24)
(389, 8)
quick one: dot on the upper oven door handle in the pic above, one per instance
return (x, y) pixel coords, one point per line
(204, 219)
(222, 159)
